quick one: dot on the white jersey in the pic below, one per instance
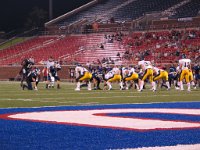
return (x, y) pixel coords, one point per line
(185, 63)
(109, 75)
(145, 64)
(49, 64)
(58, 66)
(132, 70)
(80, 69)
(178, 69)
(156, 69)
(116, 71)
(125, 71)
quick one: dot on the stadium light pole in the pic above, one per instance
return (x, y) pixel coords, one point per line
(50, 9)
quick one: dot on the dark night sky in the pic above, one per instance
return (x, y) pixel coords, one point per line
(13, 13)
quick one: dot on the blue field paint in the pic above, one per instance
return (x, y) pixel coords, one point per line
(159, 116)
(15, 134)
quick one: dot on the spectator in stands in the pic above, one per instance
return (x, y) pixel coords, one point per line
(110, 39)
(112, 20)
(95, 26)
(118, 54)
(101, 46)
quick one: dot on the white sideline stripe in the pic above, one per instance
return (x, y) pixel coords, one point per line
(95, 97)
(88, 117)
(46, 100)
(177, 147)
(31, 100)
(89, 103)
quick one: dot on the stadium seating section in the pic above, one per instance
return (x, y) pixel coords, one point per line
(122, 10)
(190, 9)
(162, 47)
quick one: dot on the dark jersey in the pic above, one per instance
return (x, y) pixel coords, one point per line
(53, 71)
(172, 69)
(32, 76)
(26, 66)
(196, 69)
(95, 75)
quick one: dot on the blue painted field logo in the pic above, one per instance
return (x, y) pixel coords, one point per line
(155, 126)
(100, 118)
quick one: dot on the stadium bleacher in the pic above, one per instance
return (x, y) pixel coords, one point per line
(160, 46)
(191, 9)
(134, 46)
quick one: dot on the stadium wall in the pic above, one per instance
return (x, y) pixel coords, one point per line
(11, 73)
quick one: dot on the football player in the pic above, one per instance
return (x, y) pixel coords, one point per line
(129, 75)
(54, 74)
(112, 76)
(191, 78)
(32, 79)
(185, 65)
(45, 73)
(26, 69)
(82, 74)
(147, 68)
(96, 80)
(161, 74)
(196, 70)
(173, 76)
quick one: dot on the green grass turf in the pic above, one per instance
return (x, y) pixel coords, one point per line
(11, 95)
(12, 42)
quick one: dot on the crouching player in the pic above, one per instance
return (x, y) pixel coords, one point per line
(146, 67)
(96, 80)
(32, 80)
(82, 74)
(26, 69)
(112, 76)
(161, 74)
(128, 76)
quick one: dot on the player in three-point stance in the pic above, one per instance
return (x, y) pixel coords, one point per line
(82, 74)
(147, 68)
(112, 76)
(129, 75)
(161, 74)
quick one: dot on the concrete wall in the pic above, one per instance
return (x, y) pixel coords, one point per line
(12, 72)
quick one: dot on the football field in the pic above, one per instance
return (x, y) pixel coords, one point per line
(67, 119)
(11, 95)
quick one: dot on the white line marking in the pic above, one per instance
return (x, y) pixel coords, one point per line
(91, 118)
(177, 147)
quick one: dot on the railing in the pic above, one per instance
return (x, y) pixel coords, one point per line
(71, 13)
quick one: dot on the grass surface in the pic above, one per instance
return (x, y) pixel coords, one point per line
(11, 95)
(11, 42)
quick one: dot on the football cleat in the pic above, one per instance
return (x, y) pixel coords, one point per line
(77, 89)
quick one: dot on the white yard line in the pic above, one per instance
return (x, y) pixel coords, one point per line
(177, 147)
(31, 100)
